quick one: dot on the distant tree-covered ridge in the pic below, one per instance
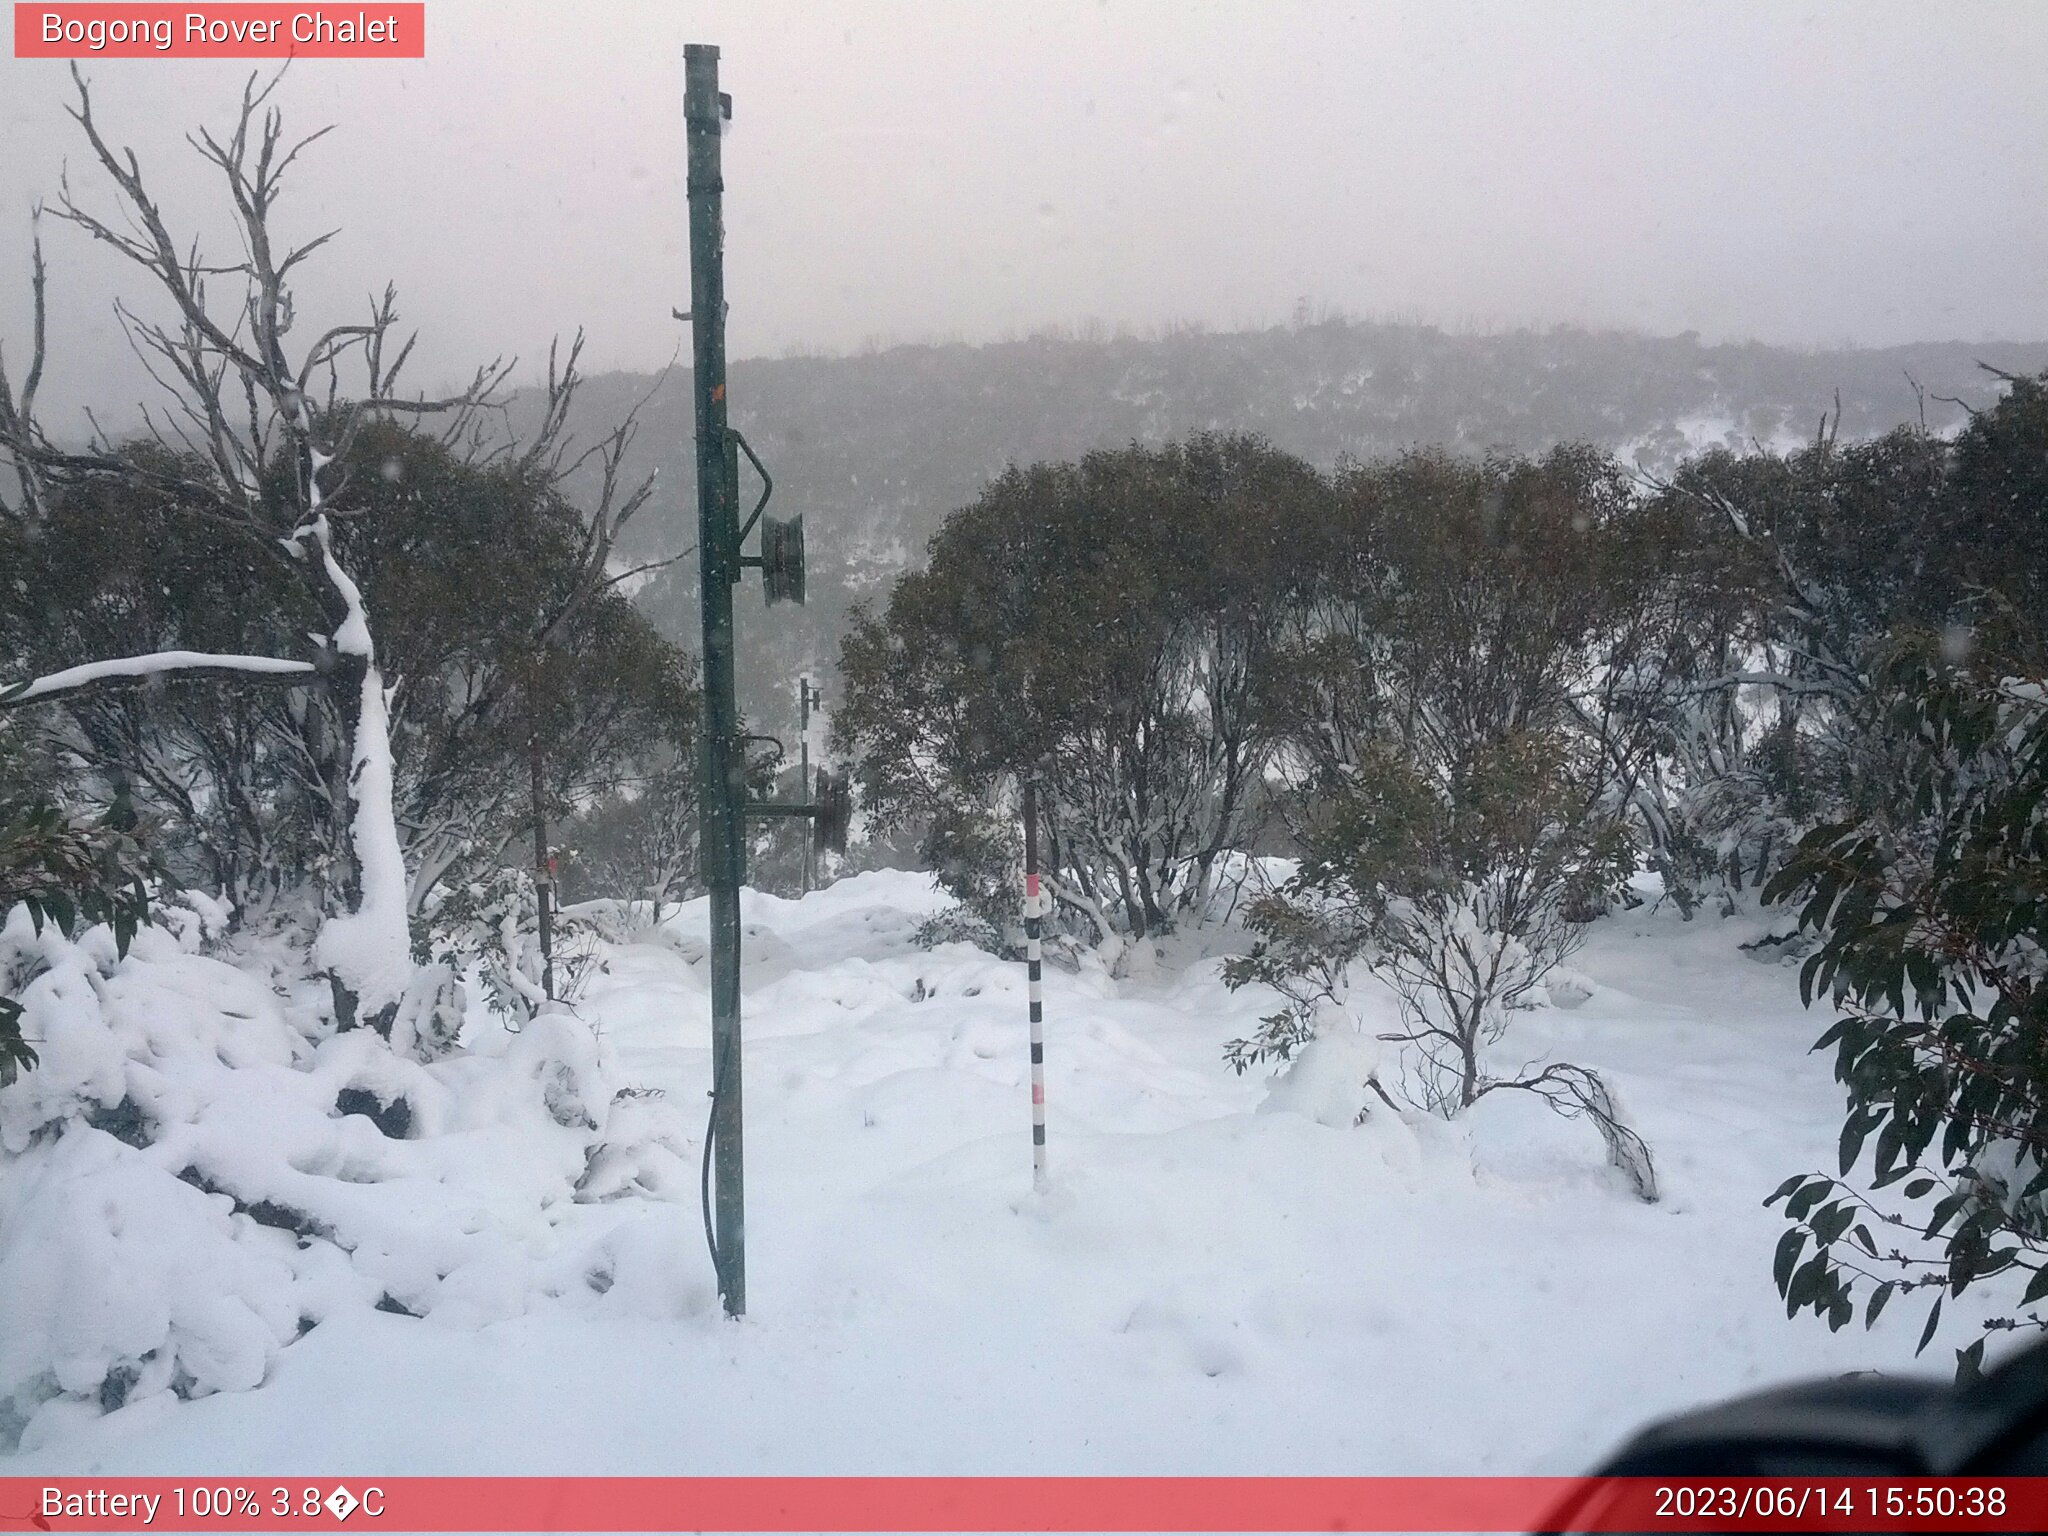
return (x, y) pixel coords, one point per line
(876, 449)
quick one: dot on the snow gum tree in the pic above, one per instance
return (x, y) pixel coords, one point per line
(1456, 819)
(1113, 627)
(1823, 558)
(1817, 547)
(464, 565)
(1924, 888)
(245, 407)
(256, 445)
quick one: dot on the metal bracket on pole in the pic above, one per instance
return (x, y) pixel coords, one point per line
(830, 810)
(767, 484)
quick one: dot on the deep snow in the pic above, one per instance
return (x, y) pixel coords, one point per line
(1226, 1278)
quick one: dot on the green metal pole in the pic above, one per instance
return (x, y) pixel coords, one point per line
(721, 777)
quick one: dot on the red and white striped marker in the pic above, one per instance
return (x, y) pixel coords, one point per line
(1034, 911)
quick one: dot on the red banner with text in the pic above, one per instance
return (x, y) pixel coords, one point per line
(978, 1504)
(86, 31)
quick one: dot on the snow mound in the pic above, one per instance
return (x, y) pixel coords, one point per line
(1326, 1080)
(1197, 1273)
(201, 1169)
(1567, 988)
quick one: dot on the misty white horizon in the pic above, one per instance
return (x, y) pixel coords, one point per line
(1813, 175)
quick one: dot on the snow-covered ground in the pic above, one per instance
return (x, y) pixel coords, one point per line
(1217, 1284)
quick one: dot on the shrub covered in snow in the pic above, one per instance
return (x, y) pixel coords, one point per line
(1456, 894)
(62, 869)
(202, 1167)
(491, 927)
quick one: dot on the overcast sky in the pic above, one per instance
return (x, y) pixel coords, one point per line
(932, 169)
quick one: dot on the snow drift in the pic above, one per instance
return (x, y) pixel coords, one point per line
(202, 1169)
(1404, 1295)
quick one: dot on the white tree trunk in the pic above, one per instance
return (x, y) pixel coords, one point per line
(367, 949)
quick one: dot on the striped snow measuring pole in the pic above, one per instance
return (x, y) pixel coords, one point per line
(1034, 910)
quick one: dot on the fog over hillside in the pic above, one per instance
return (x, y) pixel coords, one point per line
(876, 449)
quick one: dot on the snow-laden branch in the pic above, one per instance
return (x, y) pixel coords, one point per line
(157, 664)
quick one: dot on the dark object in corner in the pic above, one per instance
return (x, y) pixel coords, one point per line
(1854, 1426)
